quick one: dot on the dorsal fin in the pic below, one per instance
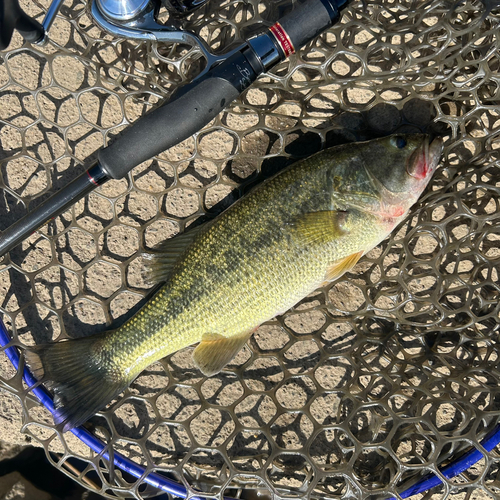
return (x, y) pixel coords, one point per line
(159, 264)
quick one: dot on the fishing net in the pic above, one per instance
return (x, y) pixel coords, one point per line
(367, 384)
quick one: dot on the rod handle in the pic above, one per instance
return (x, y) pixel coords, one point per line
(189, 110)
(305, 22)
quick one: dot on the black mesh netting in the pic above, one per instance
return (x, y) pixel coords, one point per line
(364, 385)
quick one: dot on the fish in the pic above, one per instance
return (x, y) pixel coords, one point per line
(297, 231)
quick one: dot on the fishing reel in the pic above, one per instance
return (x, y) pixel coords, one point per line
(134, 19)
(138, 20)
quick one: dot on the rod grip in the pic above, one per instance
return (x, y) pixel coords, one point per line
(304, 23)
(190, 109)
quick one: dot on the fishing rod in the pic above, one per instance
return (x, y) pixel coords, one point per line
(191, 106)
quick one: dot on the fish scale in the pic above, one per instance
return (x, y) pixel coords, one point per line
(308, 224)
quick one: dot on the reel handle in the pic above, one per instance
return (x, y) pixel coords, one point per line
(13, 17)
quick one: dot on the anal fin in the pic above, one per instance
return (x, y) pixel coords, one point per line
(215, 351)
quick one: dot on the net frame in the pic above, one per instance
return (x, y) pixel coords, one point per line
(422, 309)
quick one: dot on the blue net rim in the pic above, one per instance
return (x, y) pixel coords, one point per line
(456, 467)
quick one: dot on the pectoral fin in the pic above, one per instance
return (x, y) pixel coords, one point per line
(159, 264)
(322, 227)
(215, 351)
(337, 269)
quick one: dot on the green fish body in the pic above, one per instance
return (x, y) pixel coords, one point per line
(304, 227)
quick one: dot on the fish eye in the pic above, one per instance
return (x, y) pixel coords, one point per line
(399, 142)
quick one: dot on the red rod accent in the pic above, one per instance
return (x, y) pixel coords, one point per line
(92, 180)
(283, 39)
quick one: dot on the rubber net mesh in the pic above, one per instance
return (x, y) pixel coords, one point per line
(366, 384)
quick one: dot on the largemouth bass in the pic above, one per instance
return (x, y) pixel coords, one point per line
(304, 227)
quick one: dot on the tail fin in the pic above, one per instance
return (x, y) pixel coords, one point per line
(82, 380)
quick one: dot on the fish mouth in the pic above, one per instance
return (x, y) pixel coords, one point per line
(425, 159)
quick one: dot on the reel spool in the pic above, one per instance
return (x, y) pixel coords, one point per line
(123, 10)
(366, 385)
